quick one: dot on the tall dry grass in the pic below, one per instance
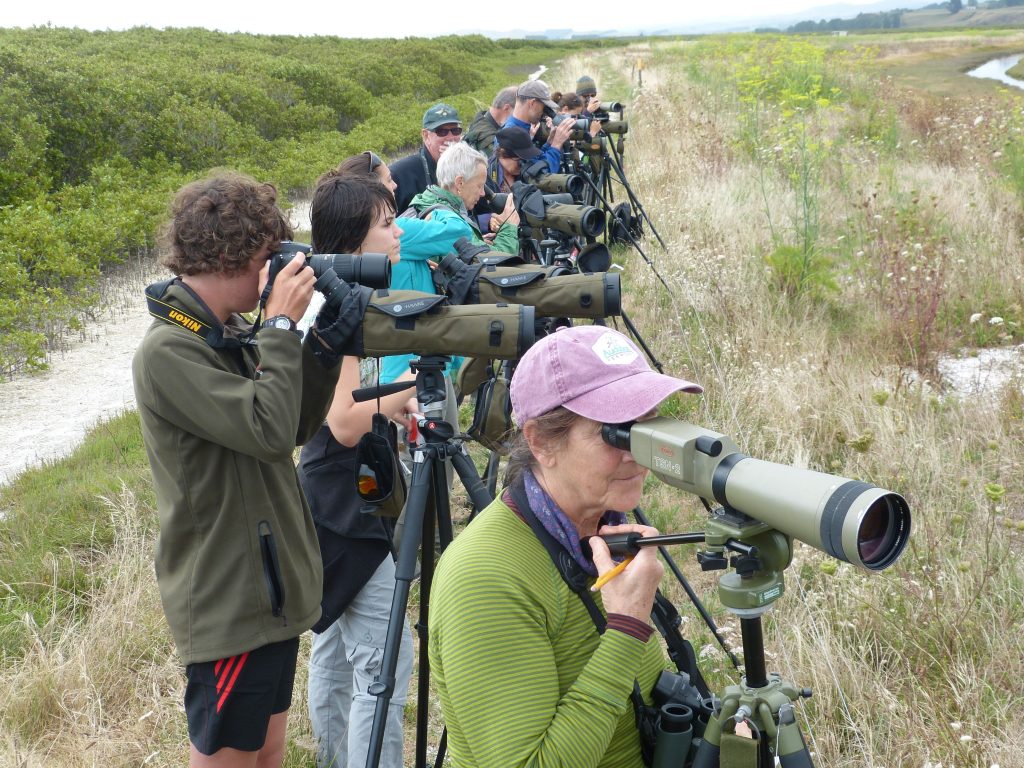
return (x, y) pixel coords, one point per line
(919, 665)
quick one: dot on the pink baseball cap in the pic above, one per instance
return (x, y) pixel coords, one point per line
(593, 371)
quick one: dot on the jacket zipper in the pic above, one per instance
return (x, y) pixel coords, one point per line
(272, 570)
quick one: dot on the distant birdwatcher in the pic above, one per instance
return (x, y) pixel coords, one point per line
(569, 103)
(506, 165)
(442, 129)
(586, 89)
(534, 105)
(487, 122)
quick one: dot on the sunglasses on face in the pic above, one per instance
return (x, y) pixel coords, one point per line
(442, 132)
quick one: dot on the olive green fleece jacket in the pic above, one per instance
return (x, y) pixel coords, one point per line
(524, 678)
(237, 560)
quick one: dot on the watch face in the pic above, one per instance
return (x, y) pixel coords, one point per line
(281, 322)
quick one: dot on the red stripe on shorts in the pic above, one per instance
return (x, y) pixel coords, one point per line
(231, 683)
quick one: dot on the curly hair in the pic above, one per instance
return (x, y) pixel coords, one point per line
(220, 223)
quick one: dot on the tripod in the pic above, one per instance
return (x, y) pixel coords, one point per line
(765, 703)
(762, 701)
(427, 502)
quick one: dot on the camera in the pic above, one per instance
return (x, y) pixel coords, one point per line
(581, 123)
(370, 269)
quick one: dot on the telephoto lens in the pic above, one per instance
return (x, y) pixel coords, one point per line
(370, 269)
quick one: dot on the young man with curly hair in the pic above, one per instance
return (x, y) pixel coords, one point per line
(222, 409)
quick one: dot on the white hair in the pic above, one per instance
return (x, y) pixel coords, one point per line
(458, 160)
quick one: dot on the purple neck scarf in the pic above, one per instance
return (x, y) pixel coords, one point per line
(557, 523)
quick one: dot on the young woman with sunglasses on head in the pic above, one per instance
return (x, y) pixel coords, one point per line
(352, 215)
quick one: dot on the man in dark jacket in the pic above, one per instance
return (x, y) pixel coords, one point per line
(237, 560)
(488, 122)
(414, 173)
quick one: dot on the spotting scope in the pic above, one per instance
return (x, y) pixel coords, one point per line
(851, 520)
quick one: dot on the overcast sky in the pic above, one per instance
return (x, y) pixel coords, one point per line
(389, 18)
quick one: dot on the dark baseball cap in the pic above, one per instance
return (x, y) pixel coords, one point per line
(517, 140)
(440, 114)
(537, 89)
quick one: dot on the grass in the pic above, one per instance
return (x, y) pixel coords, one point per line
(918, 665)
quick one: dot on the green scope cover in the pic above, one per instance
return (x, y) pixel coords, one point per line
(583, 295)
(411, 322)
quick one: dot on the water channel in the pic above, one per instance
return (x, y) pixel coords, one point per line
(996, 70)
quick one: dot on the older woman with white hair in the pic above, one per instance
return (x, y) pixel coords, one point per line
(461, 173)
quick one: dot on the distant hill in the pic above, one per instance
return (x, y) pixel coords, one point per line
(968, 17)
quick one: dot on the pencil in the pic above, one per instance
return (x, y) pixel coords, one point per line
(607, 576)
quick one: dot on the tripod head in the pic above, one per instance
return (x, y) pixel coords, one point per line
(757, 554)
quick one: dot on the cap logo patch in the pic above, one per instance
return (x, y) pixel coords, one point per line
(613, 351)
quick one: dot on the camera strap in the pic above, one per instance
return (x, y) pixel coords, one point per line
(579, 582)
(211, 334)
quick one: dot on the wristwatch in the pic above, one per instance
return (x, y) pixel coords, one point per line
(283, 322)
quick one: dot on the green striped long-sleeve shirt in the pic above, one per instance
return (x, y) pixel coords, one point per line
(524, 677)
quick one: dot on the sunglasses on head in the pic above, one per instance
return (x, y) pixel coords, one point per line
(442, 132)
(373, 161)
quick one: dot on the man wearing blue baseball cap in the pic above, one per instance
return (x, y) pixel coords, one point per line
(413, 174)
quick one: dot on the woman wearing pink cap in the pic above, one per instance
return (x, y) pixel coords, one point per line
(523, 674)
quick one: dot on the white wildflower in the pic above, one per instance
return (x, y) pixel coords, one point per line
(975, 318)
(995, 321)
(979, 119)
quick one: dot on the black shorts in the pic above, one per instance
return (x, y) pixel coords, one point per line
(228, 703)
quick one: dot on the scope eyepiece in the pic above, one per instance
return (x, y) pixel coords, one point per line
(617, 435)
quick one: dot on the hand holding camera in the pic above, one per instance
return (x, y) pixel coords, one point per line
(293, 288)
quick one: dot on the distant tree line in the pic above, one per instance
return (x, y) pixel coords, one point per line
(98, 128)
(882, 20)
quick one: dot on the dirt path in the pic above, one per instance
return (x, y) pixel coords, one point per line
(44, 416)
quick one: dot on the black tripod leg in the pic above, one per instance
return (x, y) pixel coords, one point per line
(405, 571)
(439, 512)
(616, 164)
(491, 476)
(639, 340)
(478, 493)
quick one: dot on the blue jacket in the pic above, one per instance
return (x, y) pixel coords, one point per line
(552, 155)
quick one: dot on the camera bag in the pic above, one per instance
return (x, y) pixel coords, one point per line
(492, 414)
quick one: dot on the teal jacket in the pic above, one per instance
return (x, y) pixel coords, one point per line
(432, 240)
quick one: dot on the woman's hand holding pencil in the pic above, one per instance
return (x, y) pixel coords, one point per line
(627, 587)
